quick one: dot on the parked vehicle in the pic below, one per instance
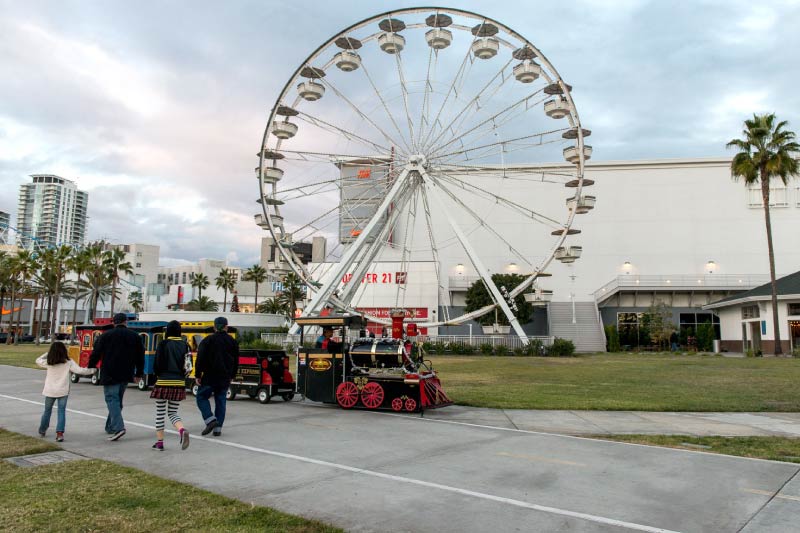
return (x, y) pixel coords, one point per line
(263, 374)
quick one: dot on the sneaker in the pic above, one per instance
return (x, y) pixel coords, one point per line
(159, 445)
(59, 436)
(42, 434)
(184, 438)
(118, 435)
(217, 432)
(209, 427)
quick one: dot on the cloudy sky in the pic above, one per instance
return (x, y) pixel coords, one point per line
(157, 108)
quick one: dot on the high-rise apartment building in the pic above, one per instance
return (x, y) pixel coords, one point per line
(52, 211)
(5, 220)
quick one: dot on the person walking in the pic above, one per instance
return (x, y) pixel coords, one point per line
(56, 386)
(170, 387)
(121, 353)
(216, 364)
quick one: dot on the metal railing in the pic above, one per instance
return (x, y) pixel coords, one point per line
(509, 341)
(680, 282)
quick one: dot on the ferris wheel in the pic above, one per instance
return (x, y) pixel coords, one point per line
(424, 134)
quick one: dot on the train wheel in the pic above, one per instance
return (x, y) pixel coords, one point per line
(96, 378)
(347, 395)
(230, 394)
(411, 405)
(74, 377)
(397, 404)
(263, 395)
(194, 389)
(287, 396)
(142, 383)
(372, 395)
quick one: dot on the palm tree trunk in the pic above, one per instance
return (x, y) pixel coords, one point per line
(37, 323)
(225, 301)
(95, 298)
(19, 313)
(113, 294)
(775, 323)
(11, 315)
(255, 306)
(54, 310)
(75, 306)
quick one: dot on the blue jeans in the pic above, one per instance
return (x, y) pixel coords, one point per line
(61, 419)
(204, 392)
(113, 394)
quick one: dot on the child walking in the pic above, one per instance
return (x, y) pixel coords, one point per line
(170, 387)
(56, 386)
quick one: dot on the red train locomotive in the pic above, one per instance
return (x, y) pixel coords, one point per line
(384, 373)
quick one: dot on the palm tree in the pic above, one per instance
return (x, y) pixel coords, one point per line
(200, 282)
(293, 290)
(203, 303)
(115, 263)
(135, 301)
(11, 277)
(5, 281)
(78, 263)
(25, 266)
(226, 282)
(272, 306)
(766, 151)
(60, 269)
(258, 275)
(97, 280)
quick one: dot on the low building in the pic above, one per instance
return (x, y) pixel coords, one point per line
(746, 319)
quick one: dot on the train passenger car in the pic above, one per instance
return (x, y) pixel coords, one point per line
(151, 334)
(87, 335)
(193, 332)
(263, 374)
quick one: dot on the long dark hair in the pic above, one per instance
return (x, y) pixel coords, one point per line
(57, 354)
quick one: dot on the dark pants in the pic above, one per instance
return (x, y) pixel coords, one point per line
(113, 394)
(61, 420)
(204, 392)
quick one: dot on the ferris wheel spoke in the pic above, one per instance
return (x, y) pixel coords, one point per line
(507, 173)
(433, 58)
(386, 108)
(360, 113)
(502, 142)
(483, 193)
(435, 250)
(404, 90)
(322, 124)
(475, 101)
(491, 121)
(483, 224)
(477, 263)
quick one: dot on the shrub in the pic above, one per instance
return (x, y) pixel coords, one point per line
(501, 350)
(486, 348)
(612, 339)
(520, 351)
(258, 344)
(796, 352)
(463, 349)
(535, 348)
(705, 337)
(561, 348)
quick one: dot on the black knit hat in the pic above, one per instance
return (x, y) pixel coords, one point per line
(173, 329)
(120, 318)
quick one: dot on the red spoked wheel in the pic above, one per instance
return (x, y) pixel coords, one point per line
(411, 405)
(347, 395)
(397, 404)
(372, 395)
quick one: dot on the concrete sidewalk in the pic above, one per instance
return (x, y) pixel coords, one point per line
(628, 422)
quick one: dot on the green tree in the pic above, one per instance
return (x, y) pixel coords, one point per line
(136, 301)
(766, 152)
(272, 306)
(114, 260)
(24, 265)
(203, 303)
(293, 291)
(200, 282)
(225, 281)
(98, 282)
(5, 281)
(258, 275)
(79, 264)
(478, 297)
(658, 321)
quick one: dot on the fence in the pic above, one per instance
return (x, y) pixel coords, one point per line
(509, 341)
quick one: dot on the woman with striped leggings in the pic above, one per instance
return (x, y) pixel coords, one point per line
(170, 387)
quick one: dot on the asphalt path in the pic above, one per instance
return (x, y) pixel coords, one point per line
(370, 471)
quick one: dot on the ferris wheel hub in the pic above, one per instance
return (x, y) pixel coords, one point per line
(417, 161)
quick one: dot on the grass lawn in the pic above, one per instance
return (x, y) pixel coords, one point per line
(775, 448)
(102, 496)
(21, 354)
(619, 382)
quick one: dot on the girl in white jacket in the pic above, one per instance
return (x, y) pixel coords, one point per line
(56, 386)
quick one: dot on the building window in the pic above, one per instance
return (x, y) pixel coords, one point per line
(778, 196)
(689, 322)
(794, 309)
(138, 254)
(138, 265)
(750, 311)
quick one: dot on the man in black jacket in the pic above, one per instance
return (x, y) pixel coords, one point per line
(122, 354)
(216, 365)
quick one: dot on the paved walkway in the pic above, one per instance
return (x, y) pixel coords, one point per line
(456, 469)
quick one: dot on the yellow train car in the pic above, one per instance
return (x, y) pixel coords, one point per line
(193, 332)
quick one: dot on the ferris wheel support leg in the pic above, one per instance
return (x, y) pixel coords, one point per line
(324, 293)
(475, 259)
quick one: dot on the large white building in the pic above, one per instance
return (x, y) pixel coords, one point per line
(680, 231)
(51, 211)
